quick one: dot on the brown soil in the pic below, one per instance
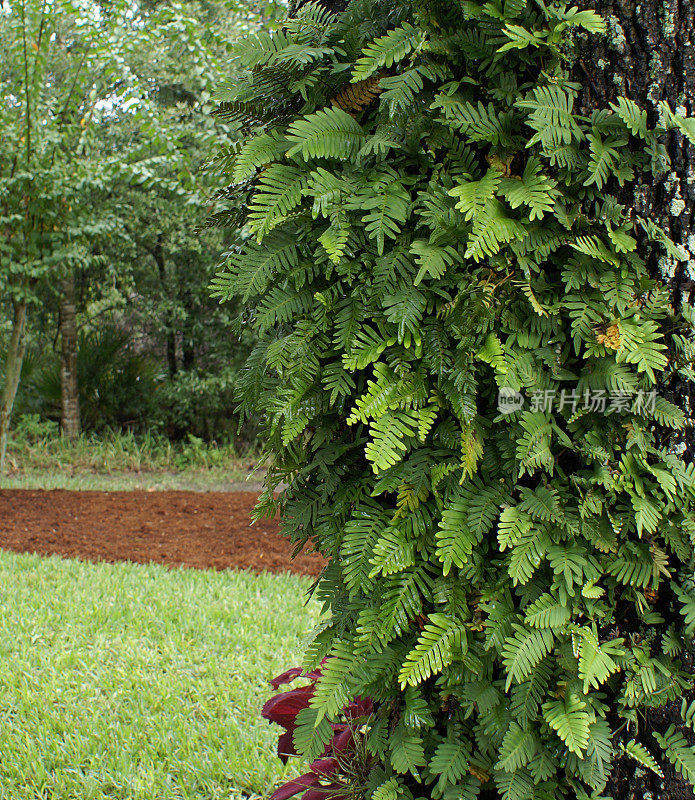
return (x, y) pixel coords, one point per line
(192, 529)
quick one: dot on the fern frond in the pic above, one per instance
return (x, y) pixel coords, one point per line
(388, 434)
(595, 662)
(532, 189)
(250, 272)
(388, 50)
(392, 553)
(477, 123)
(527, 696)
(329, 133)
(474, 195)
(433, 260)
(449, 762)
(603, 160)
(551, 116)
(492, 228)
(278, 193)
(434, 649)
(523, 651)
(639, 753)
(361, 535)
(357, 96)
(256, 153)
(332, 689)
(634, 117)
(407, 751)
(547, 612)
(678, 751)
(388, 204)
(570, 721)
(518, 748)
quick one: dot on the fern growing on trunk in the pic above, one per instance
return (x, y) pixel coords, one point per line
(458, 347)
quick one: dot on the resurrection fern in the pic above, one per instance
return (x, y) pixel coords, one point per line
(357, 96)
(459, 346)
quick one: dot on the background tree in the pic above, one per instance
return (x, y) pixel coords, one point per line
(120, 128)
(60, 59)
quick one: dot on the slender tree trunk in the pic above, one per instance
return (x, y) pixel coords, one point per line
(13, 371)
(648, 56)
(335, 6)
(69, 386)
(188, 350)
(188, 354)
(158, 255)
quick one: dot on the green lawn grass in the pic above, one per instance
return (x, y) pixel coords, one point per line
(133, 682)
(76, 479)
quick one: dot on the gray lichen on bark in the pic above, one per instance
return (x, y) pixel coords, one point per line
(648, 56)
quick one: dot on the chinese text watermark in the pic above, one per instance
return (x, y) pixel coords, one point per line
(570, 400)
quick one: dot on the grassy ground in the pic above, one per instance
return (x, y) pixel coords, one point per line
(133, 682)
(209, 480)
(39, 458)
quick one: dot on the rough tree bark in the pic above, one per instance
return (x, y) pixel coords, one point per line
(13, 371)
(69, 386)
(648, 56)
(335, 6)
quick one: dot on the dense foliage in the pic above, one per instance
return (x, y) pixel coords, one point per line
(458, 348)
(108, 127)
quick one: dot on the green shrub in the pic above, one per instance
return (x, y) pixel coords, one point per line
(199, 403)
(437, 251)
(118, 385)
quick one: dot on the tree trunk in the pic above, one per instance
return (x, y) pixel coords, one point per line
(13, 370)
(188, 358)
(69, 386)
(158, 255)
(335, 6)
(648, 57)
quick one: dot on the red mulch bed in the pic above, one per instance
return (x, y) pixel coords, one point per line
(191, 529)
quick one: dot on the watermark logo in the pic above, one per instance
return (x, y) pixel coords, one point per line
(509, 400)
(597, 400)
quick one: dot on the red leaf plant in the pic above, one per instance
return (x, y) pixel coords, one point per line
(327, 775)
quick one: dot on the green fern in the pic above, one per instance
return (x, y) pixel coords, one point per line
(388, 439)
(641, 755)
(551, 117)
(407, 751)
(392, 553)
(432, 243)
(595, 662)
(523, 651)
(433, 651)
(547, 612)
(388, 204)
(533, 189)
(279, 192)
(329, 133)
(678, 751)
(492, 228)
(388, 50)
(634, 117)
(449, 763)
(568, 718)
(256, 153)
